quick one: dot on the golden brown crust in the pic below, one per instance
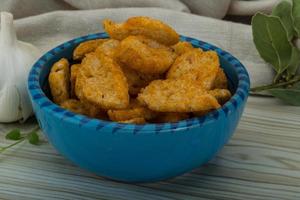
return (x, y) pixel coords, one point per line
(177, 95)
(182, 47)
(86, 47)
(140, 53)
(108, 47)
(94, 111)
(101, 82)
(59, 81)
(135, 53)
(146, 26)
(138, 120)
(136, 80)
(135, 110)
(185, 63)
(221, 80)
(196, 65)
(222, 95)
(126, 114)
(115, 31)
(152, 43)
(74, 72)
(76, 106)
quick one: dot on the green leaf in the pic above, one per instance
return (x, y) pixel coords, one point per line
(14, 135)
(290, 96)
(284, 11)
(33, 138)
(271, 41)
(294, 62)
(296, 16)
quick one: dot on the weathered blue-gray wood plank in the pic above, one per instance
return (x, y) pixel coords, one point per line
(261, 161)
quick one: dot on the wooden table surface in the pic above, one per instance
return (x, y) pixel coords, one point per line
(261, 161)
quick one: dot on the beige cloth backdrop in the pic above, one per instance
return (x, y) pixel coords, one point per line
(211, 8)
(22, 8)
(50, 29)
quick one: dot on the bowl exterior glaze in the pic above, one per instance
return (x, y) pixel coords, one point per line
(136, 153)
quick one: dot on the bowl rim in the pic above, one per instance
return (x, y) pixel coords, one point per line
(38, 96)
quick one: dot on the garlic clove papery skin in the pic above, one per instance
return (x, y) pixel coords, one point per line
(16, 59)
(9, 112)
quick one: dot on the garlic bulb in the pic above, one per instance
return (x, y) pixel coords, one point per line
(16, 59)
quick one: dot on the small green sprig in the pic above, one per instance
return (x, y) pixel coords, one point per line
(32, 137)
(274, 37)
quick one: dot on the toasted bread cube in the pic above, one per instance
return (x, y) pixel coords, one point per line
(177, 95)
(101, 82)
(59, 78)
(146, 57)
(146, 26)
(86, 47)
(196, 65)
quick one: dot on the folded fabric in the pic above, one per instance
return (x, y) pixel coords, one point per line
(211, 8)
(24, 8)
(48, 30)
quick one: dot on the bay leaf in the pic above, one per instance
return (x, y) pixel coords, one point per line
(289, 96)
(294, 62)
(296, 16)
(284, 11)
(271, 41)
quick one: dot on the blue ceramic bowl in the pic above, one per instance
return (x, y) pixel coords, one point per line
(136, 153)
